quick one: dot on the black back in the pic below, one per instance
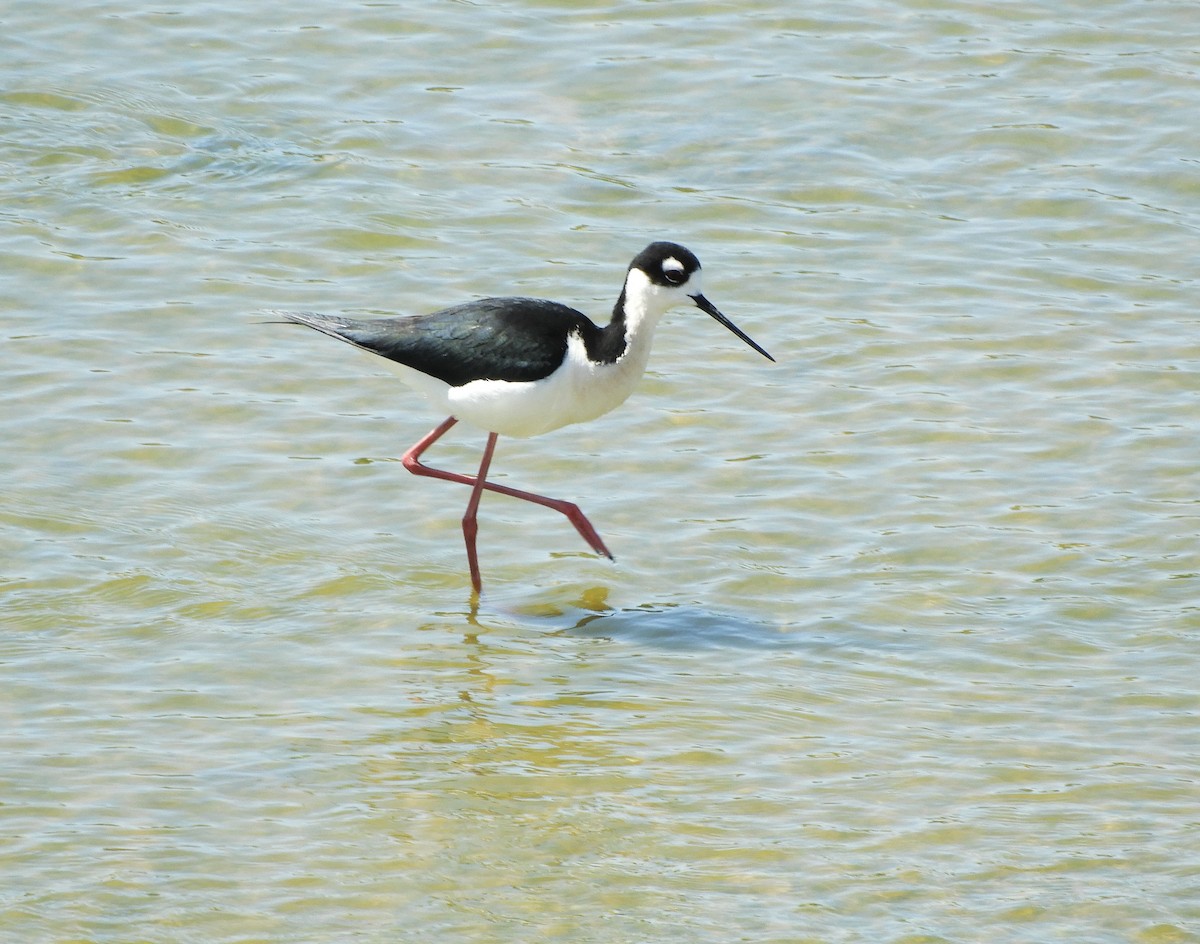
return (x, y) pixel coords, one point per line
(512, 339)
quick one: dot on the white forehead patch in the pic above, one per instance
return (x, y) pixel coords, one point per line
(674, 271)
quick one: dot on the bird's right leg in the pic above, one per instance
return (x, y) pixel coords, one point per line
(412, 458)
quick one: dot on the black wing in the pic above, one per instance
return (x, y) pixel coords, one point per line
(513, 339)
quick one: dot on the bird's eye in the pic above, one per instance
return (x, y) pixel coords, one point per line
(674, 276)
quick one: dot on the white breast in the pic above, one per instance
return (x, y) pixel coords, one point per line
(579, 390)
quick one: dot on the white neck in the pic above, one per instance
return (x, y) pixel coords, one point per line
(646, 303)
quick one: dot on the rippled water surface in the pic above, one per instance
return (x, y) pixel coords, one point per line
(901, 640)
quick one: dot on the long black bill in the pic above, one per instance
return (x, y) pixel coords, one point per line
(710, 309)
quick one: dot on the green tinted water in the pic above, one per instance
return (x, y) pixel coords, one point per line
(898, 644)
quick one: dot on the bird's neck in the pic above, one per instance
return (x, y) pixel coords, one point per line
(637, 312)
(634, 318)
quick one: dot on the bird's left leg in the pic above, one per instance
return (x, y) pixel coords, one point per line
(469, 523)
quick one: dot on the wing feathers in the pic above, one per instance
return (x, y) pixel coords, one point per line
(512, 339)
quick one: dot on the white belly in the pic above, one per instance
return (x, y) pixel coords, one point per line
(579, 390)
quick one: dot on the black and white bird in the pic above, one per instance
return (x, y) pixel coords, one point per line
(525, 366)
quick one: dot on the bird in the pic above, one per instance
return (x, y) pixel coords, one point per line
(521, 367)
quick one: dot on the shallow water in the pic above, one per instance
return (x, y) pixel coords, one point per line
(898, 643)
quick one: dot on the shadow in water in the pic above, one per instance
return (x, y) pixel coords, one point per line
(668, 625)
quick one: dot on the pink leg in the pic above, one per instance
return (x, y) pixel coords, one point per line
(412, 462)
(470, 524)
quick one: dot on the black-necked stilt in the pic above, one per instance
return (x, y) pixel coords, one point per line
(525, 366)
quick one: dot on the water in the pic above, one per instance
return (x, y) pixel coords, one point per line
(898, 644)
